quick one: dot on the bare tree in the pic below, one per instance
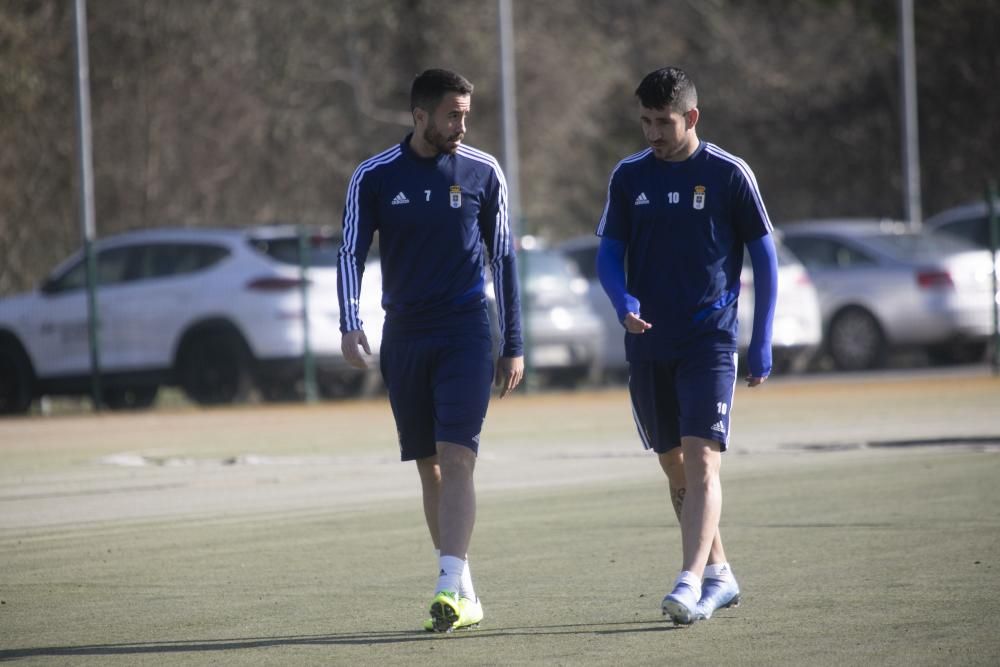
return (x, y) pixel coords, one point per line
(232, 112)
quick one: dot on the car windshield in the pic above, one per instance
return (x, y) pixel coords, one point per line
(974, 230)
(323, 247)
(785, 256)
(919, 245)
(547, 269)
(285, 249)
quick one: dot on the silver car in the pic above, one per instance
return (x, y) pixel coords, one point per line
(583, 252)
(796, 335)
(797, 329)
(563, 336)
(969, 221)
(882, 286)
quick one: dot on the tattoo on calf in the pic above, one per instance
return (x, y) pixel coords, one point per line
(677, 498)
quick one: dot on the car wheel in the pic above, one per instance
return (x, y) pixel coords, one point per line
(347, 384)
(15, 381)
(567, 378)
(214, 368)
(856, 341)
(957, 353)
(277, 391)
(792, 362)
(130, 398)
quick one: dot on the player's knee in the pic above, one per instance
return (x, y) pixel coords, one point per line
(429, 469)
(702, 461)
(672, 464)
(455, 459)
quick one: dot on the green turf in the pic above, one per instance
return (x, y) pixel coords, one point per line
(852, 556)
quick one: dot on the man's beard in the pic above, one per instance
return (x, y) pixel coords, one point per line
(440, 142)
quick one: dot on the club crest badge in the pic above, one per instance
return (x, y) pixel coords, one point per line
(699, 197)
(456, 196)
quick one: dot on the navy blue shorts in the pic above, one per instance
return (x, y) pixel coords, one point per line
(690, 396)
(439, 389)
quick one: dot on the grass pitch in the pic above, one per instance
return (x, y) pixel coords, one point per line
(292, 536)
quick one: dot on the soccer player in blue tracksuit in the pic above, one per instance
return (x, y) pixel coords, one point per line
(440, 209)
(677, 218)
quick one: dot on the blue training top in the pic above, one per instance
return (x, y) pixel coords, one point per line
(683, 225)
(438, 220)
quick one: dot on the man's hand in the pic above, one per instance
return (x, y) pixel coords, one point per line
(509, 372)
(349, 344)
(755, 381)
(635, 325)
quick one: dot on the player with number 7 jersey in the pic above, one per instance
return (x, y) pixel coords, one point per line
(440, 211)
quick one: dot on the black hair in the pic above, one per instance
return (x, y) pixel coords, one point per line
(431, 85)
(667, 87)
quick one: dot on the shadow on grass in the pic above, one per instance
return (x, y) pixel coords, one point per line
(334, 639)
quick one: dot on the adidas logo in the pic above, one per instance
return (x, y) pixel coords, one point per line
(641, 199)
(719, 427)
(400, 199)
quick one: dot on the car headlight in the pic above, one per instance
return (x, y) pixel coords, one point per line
(578, 286)
(561, 318)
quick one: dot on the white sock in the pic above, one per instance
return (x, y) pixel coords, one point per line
(691, 579)
(720, 571)
(465, 589)
(450, 575)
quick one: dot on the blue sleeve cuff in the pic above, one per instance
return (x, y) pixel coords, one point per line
(764, 259)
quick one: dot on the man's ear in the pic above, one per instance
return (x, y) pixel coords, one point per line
(691, 118)
(419, 116)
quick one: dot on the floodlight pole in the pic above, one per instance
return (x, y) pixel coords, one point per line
(87, 193)
(512, 164)
(508, 101)
(911, 136)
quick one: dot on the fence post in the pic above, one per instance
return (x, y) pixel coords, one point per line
(994, 224)
(308, 360)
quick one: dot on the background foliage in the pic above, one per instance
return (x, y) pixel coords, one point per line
(233, 112)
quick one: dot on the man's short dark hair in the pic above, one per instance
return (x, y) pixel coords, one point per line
(668, 87)
(433, 84)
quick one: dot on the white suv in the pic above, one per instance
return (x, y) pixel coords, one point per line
(216, 311)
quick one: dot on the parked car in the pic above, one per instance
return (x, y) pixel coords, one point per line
(883, 286)
(562, 334)
(797, 331)
(216, 311)
(582, 251)
(797, 326)
(969, 221)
